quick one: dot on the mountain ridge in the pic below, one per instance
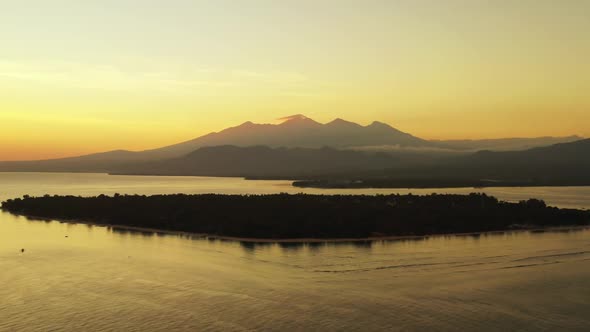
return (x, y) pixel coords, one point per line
(297, 131)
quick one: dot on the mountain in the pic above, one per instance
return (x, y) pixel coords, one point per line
(296, 131)
(301, 131)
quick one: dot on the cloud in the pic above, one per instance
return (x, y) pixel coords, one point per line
(164, 77)
(293, 117)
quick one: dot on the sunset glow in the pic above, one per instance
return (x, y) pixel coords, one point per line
(79, 77)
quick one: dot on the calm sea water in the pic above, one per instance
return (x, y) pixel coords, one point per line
(88, 278)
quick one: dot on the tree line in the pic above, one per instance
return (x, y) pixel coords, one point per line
(280, 216)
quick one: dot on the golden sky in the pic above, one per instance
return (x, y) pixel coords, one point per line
(87, 76)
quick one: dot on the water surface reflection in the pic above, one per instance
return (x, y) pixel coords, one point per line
(80, 277)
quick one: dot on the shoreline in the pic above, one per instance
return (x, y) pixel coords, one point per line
(305, 185)
(204, 236)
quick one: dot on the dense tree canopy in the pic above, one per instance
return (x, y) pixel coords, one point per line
(282, 216)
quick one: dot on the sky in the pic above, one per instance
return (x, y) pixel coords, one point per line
(86, 76)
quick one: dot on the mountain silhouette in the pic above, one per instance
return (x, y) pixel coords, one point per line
(297, 131)
(294, 131)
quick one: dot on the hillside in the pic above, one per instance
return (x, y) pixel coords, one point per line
(262, 161)
(559, 164)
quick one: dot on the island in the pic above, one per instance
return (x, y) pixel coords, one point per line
(302, 216)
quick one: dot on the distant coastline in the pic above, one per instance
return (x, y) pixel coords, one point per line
(301, 182)
(427, 184)
(301, 218)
